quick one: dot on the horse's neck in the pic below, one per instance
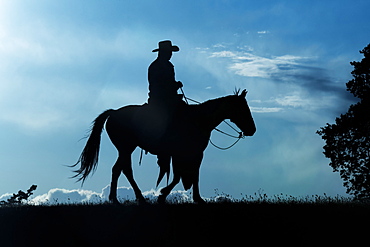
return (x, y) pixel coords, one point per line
(213, 112)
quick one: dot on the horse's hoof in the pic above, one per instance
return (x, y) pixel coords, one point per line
(200, 201)
(165, 191)
(142, 201)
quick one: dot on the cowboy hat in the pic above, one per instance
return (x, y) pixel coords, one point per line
(166, 45)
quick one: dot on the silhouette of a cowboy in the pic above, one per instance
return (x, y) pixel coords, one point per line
(163, 93)
(161, 76)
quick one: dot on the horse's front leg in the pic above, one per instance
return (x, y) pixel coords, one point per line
(167, 190)
(196, 162)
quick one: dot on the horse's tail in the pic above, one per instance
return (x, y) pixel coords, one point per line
(90, 154)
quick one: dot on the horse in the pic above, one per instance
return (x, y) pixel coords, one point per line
(184, 138)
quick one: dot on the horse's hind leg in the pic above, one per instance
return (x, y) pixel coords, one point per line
(116, 172)
(127, 170)
(123, 164)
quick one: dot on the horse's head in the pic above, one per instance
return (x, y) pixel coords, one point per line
(241, 115)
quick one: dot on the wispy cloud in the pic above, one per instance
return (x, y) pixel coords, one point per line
(250, 65)
(292, 100)
(297, 81)
(223, 54)
(265, 109)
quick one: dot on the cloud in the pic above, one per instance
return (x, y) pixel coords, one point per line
(55, 196)
(292, 69)
(5, 197)
(265, 109)
(64, 196)
(223, 54)
(291, 100)
(250, 65)
(296, 100)
(284, 82)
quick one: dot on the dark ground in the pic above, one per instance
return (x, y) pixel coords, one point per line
(213, 224)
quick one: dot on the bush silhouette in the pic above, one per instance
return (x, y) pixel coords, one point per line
(19, 197)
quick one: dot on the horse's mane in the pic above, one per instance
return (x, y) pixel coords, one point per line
(207, 106)
(219, 99)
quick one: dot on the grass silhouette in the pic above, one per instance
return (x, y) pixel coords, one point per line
(279, 219)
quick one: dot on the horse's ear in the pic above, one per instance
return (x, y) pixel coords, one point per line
(244, 93)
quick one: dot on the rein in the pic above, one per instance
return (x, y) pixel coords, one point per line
(220, 131)
(240, 136)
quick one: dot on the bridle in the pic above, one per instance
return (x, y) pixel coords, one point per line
(240, 133)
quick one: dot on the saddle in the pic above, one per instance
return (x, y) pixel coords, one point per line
(153, 121)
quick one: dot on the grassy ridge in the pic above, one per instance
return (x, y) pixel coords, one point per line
(227, 223)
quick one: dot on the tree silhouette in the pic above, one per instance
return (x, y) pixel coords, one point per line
(348, 140)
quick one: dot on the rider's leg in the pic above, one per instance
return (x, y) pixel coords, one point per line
(164, 163)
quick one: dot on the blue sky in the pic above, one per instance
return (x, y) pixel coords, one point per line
(64, 62)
